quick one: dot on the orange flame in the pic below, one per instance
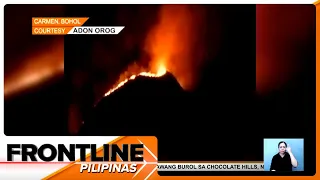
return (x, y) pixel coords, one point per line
(172, 47)
(176, 42)
(161, 71)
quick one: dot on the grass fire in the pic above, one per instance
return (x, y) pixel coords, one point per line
(160, 72)
(170, 43)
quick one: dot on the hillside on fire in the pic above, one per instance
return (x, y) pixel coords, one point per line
(140, 105)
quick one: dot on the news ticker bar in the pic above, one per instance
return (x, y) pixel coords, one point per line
(69, 25)
(180, 166)
(210, 167)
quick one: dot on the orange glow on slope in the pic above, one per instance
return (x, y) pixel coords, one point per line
(161, 71)
(176, 41)
(171, 43)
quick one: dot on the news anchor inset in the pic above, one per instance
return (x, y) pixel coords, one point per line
(284, 160)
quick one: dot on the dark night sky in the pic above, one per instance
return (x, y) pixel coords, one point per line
(278, 57)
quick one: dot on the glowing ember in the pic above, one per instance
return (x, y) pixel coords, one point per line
(161, 71)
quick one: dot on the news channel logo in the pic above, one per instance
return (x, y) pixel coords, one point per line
(283, 154)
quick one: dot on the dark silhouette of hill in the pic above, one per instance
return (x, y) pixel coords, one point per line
(143, 105)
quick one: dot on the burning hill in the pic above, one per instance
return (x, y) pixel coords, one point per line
(131, 108)
(155, 97)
